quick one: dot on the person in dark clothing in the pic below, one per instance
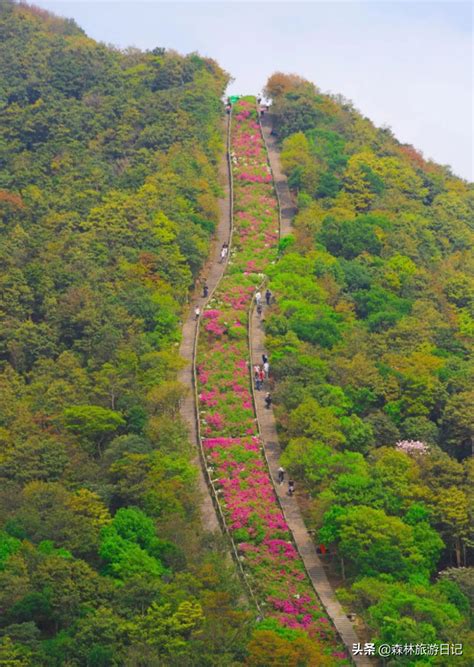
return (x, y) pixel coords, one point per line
(268, 400)
(259, 310)
(291, 487)
(264, 358)
(268, 297)
(281, 475)
(205, 291)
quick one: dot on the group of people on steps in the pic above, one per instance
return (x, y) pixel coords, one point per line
(261, 371)
(269, 298)
(224, 251)
(281, 479)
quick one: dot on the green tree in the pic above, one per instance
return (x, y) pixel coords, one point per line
(12, 655)
(169, 630)
(458, 423)
(93, 424)
(452, 508)
(318, 423)
(374, 543)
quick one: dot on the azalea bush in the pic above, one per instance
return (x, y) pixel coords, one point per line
(230, 439)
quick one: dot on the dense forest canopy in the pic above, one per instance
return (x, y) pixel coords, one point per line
(109, 193)
(108, 200)
(371, 343)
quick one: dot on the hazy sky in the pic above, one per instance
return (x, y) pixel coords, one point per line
(407, 64)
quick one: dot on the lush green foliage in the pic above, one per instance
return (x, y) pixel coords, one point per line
(370, 344)
(108, 198)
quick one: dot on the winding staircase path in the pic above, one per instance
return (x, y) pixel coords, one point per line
(287, 208)
(268, 431)
(211, 274)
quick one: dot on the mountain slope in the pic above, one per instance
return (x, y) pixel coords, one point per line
(371, 344)
(108, 200)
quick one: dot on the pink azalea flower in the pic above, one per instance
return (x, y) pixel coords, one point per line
(246, 493)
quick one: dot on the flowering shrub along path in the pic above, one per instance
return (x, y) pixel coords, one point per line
(230, 439)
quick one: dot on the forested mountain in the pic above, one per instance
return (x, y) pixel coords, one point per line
(108, 199)
(370, 341)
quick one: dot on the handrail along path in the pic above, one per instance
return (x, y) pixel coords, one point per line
(269, 437)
